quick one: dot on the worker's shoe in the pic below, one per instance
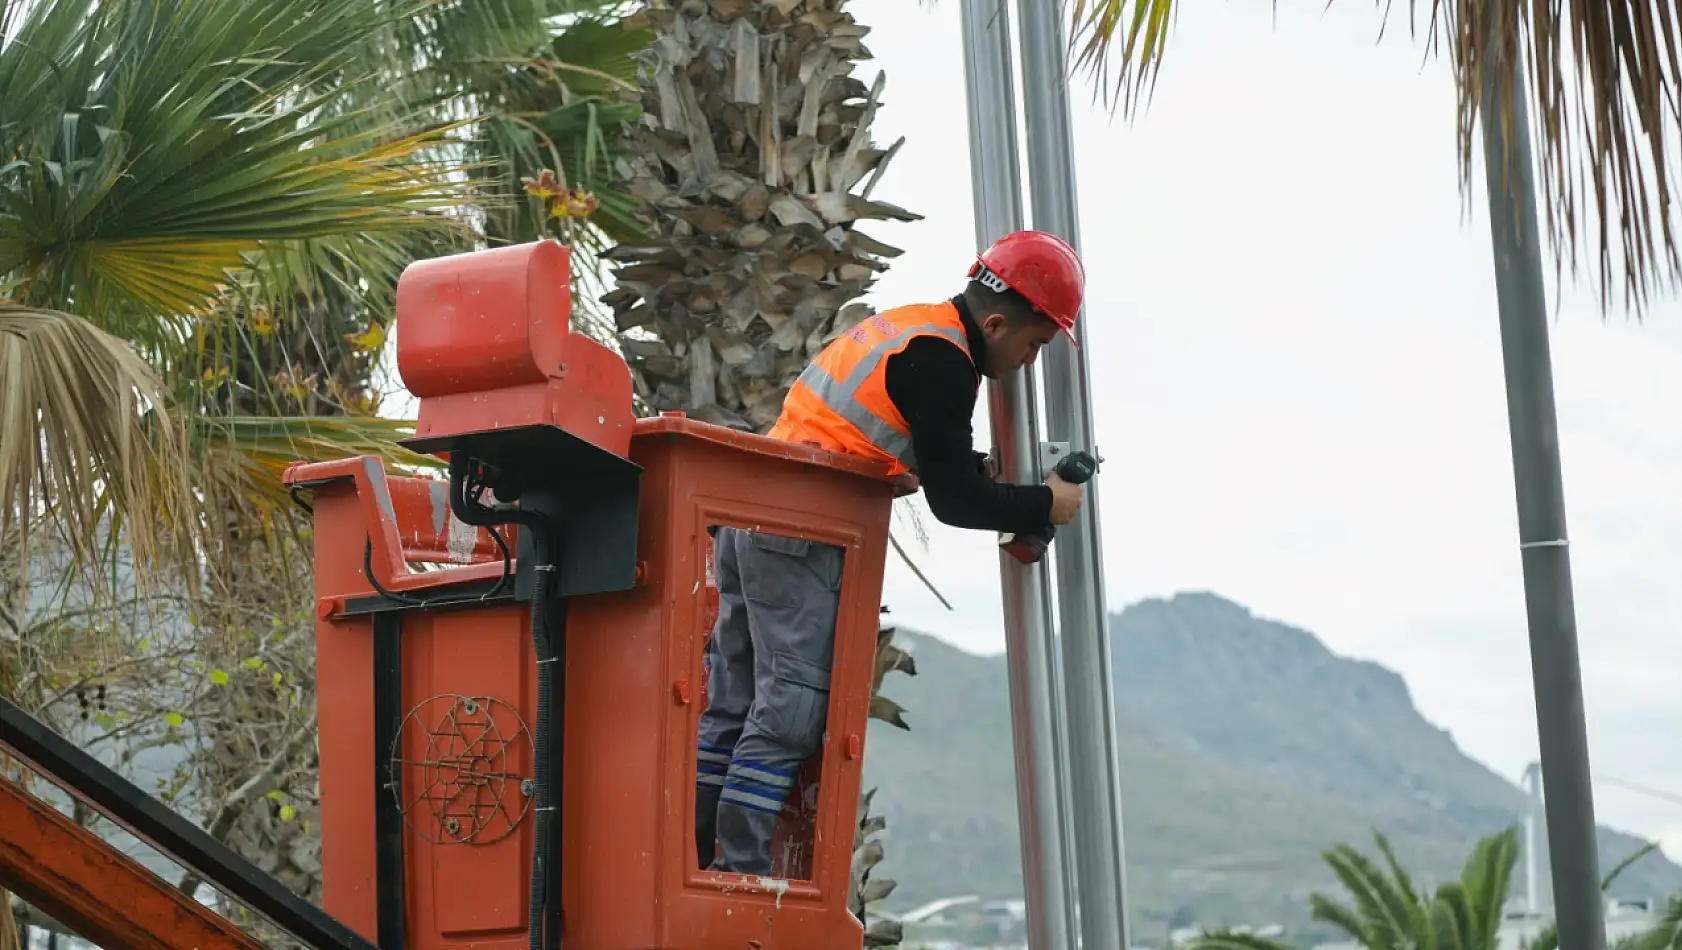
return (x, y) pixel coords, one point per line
(744, 839)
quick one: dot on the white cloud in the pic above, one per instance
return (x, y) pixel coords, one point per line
(1298, 384)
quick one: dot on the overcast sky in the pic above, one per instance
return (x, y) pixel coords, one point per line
(1297, 376)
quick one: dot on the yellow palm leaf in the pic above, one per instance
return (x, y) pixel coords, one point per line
(247, 454)
(89, 441)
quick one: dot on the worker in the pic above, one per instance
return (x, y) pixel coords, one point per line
(898, 388)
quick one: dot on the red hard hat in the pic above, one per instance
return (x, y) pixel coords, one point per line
(1041, 267)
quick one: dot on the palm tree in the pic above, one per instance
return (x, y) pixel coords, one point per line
(163, 165)
(196, 277)
(544, 81)
(1666, 935)
(157, 232)
(176, 178)
(1606, 101)
(754, 163)
(755, 136)
(537, 79)
(1387, 911)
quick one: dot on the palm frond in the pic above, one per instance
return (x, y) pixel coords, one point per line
(248, 454)
(1455, 911)
(1607, 879)
(359, 266)
(1226, 939)
(1486, 877)
(1548, 937)
(1445, 931)
(1421, 924)
(1404, 881)
(1140, 27)
(90, 442)
(173, 142)
(1328, 910)
(559, 107)
(1667, 933)
(1381, 910)
(1605, 80)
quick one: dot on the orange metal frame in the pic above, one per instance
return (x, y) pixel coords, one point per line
(104, 895)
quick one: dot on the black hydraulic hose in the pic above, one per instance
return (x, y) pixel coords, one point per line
(544, 853)
(482, 516)
(543, 858)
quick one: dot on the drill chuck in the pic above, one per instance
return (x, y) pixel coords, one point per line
(1077, 469)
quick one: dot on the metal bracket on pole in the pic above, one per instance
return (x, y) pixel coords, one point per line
(1050, 454)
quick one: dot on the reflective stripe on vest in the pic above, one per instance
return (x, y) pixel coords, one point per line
(840, 395)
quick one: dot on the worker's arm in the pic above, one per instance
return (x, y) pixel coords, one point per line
(933, 384)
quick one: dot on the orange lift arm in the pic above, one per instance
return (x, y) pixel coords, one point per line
(96, 890)
(74, 876)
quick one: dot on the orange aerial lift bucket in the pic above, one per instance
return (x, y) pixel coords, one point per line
(510, 659)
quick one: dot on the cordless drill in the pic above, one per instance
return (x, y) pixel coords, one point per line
(1076, 469)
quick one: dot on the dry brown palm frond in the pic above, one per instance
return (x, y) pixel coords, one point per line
(8, 923)
(1605, 96)
(89, 441)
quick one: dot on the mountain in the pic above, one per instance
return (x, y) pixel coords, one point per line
(1247, 749)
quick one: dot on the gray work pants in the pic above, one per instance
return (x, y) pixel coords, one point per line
(768, 665)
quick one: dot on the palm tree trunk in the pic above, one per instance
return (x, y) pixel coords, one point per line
(754, 137)
(755, 163)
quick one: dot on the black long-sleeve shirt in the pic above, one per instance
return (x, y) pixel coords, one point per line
(934, 386)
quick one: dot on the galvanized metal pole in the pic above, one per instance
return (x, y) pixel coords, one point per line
(995, 178)
(1539, 486)
(1088, 681)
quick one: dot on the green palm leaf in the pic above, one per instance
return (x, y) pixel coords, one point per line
(165, 167)
(1382, 912)
(1340, 915)
(1445, 929)
(173, 140)
(1485, 878)
(1226, 939)
(1667, 934)
(1548, 937)
(251, 452)
(1455, 912)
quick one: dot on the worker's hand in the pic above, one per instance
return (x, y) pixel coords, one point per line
(1065, 499)
(990, 466)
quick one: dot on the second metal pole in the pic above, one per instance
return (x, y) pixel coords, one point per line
(1558, 680)
(1088, 681)
(996, 180)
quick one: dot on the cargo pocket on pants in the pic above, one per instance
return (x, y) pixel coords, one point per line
(798, 704)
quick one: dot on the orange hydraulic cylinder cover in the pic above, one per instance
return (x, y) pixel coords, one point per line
(483, 341)
(428, 680)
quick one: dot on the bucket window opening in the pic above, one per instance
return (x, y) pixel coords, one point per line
(766, 658)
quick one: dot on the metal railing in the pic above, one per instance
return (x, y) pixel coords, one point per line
(76, 877)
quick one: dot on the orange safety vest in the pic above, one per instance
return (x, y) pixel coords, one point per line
(840, 403)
